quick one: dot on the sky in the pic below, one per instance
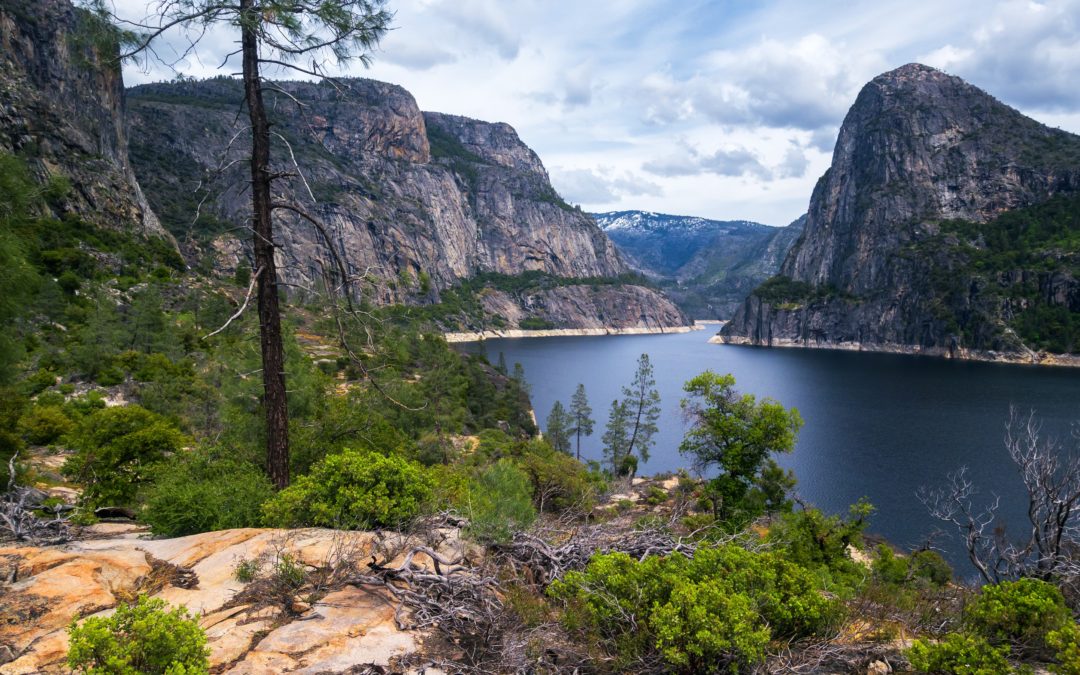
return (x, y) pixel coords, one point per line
(722, 109)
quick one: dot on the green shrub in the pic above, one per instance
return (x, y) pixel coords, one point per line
(1018, 613)
(927, 566)
(1066, 645)
(144, 638)
(819, 542)
(959, 654)
(560, 482)
(352, 489)
(201, 492)
(44, 424)
(114, 450)
(499, 502)
(722, 606)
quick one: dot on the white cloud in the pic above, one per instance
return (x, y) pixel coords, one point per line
(601, 186)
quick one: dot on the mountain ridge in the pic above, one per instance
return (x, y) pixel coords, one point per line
(707, 266)
(885, 264)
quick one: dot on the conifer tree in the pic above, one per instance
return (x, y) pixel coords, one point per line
(581, 416)
(642, 402)
(558, 428)
(616, 438)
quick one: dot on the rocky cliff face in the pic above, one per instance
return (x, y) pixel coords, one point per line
(909, 233)
(707, 266)
(413, 202)
(61, 109)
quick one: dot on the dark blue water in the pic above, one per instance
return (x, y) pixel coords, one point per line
(876, 425)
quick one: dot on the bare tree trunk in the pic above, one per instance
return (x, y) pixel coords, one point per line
(273, 354)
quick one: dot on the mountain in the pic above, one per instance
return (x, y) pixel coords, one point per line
(61, 111)
(414, 202)
(707, 266)
(948, 224)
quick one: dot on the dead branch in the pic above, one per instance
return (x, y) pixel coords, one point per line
(247, 300)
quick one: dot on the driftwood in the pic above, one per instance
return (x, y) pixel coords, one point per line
(19, 514)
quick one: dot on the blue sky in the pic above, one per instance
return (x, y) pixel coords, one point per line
(720, 109)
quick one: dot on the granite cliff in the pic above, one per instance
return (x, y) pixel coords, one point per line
(947, 224)
(706, 266)
(61, 110)
(413, 202)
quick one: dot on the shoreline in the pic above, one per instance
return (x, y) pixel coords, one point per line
(479, 336)
(1033, 359)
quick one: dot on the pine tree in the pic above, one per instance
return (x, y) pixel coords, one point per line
(272, 34)
(617, 437)
(558, 428)
(519, 376)
(501, 366)
(581, 417)
(643, 405)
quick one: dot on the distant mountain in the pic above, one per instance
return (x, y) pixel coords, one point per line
(948, 223)
(707, 266)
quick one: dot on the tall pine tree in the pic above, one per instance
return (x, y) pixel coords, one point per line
(558, 428)
(581, 417)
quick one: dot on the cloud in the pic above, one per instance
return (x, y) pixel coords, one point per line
(1025, 52)
(601, 186)
(416, 56)
(485, 23)
(807, 84)
(734, 161)
(795, 162)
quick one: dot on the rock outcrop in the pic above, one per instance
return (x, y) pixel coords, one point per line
(908, 244)
(61, 109)
(349, 627)
(706, 266)
(413, 202)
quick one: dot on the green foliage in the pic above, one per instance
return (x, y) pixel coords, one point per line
(1018, 613)
(114, 450)
(616, 438)
(145, 638)
(787, 293)
(820, 543)
(959, 654)
(499, 503)
(715, 611)
(45, 424)
(737, 434)
(581, 416)
(560, 482)
(642, 403)
(1065, 642)
(202, 491)
(353, 489)
(535, 323)
(558, 428)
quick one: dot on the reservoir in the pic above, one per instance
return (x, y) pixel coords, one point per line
(876, 425)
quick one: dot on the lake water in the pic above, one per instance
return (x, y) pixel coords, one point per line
(876, 425)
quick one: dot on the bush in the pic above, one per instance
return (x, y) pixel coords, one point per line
(144, 638)
(114, 450)
(1019, 613)
(499, 502)
(927, 566)
(820, 542)
(202, 492)
(1066, 645)
(44, 424)
(722, 606)
(560, 482)
(959, 654)
(352, 489)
